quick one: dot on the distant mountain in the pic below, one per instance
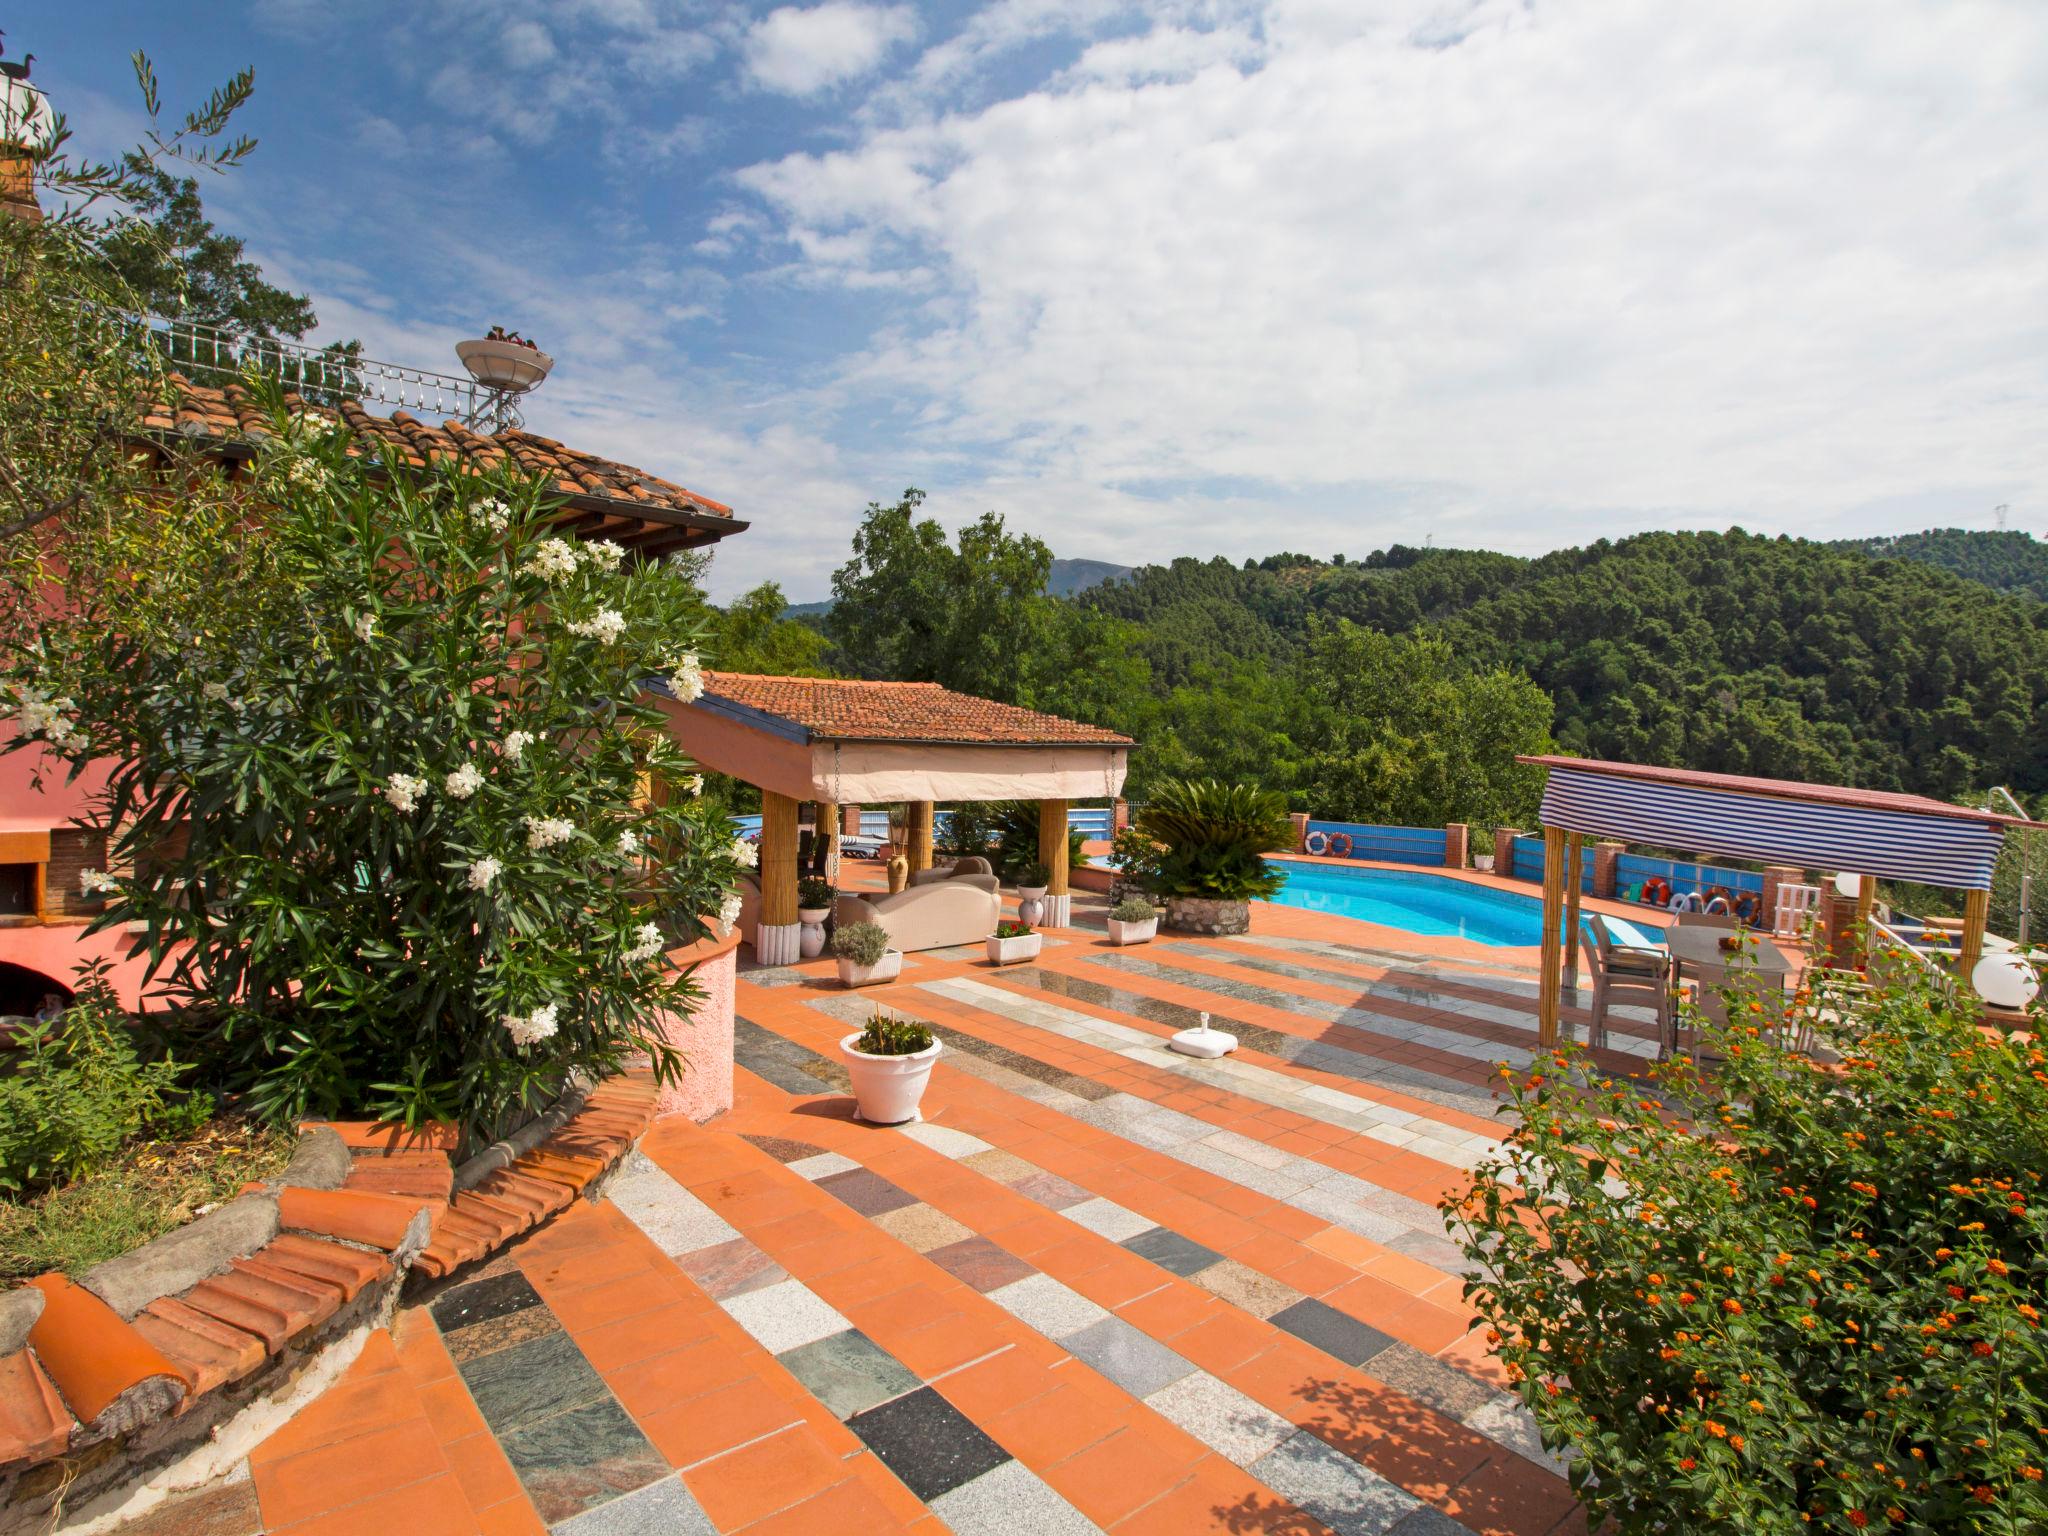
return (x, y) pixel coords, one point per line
(1068, 578)
(2007, 559)
(1073, 576)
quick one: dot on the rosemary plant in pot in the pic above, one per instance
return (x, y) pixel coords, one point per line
(864, 955)
(1134, 920)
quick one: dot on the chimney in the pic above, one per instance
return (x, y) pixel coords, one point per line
(24, 127)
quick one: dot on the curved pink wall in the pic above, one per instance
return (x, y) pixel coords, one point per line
(704, 1034)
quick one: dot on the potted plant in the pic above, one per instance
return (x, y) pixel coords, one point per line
(889, 1061)
(864, 955)
(1012, 942)
(1032, 881)
(814, 898)
(1134, 920)
(1212, 839)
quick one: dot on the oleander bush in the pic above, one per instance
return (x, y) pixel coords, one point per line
(379, 802)
(1788, 1295)
(861, 943)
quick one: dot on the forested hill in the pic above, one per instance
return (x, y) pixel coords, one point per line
(2007, 559)
(1731, 651)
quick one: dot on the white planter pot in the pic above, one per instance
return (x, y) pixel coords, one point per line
(888, 968)
(1010, 951)
(1031, 903)
(811, 941)
(504, 364)
(1133, 933)
(887, 1089)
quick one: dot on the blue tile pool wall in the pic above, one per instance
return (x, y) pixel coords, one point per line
(1387, 845)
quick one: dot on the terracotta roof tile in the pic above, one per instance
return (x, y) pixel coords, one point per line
(834, 709)
(232, 414)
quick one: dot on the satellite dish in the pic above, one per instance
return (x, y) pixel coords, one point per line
(1848, 886)
(2004, 980)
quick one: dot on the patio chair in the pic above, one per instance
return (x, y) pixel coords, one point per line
(1626, 973)
(1704, 920)
(973, 869)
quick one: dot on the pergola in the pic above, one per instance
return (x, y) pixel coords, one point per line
(836, 742)
(1813, 826)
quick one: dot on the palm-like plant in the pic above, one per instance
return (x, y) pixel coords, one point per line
(1214, 837)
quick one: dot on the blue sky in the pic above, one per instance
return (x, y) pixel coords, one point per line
(1186, 277)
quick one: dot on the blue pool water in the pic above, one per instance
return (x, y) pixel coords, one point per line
(1419, 903)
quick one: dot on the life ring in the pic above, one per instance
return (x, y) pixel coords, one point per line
(1748, 907)
(1717, 900)
(1684, 901)
(1317, 842)
(1656, 891)
(1340, 845)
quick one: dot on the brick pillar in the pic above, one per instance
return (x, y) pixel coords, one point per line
(1776, 875)
(1504, 851)
(849, 821)
(1119, 815)
(1300, 820)
(1457, 845)
(1606, 867)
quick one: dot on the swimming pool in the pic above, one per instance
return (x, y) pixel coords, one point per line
(1419, 903)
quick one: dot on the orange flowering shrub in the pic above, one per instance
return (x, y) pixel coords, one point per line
(1782, 1296)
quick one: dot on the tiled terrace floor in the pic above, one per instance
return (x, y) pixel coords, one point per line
(1101, 1287)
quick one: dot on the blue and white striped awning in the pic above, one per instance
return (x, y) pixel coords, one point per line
(1896, 837)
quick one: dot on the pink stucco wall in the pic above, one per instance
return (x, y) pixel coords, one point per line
(704, 1034)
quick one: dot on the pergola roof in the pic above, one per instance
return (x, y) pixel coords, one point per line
(1828, 826)
(850, 742)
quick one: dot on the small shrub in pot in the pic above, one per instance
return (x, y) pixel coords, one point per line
(885, 1036)
(815, 895)
(889, 1063)
(1012, 942)
(1133, 921)
(864, 955)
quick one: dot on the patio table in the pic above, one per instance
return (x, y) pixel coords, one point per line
(1696, 952)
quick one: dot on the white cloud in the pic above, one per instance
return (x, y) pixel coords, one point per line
(800, 51)
(527, 44)
(1519, 274)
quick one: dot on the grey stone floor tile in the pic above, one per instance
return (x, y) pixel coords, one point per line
(668, 1213)
(665, 1508)
(822, 1165)
(1333, 1332)
(1011, 1500)
(1352, 1500)
(1135, 1361)
(1041, 1302)
(784, 1315)
(1172, 1252)
(1428, 1522)
(1108, 1219)
(1451, 1392)
(848, 1372)
(1221, 1417)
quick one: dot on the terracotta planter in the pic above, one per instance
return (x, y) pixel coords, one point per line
(887, 1089)
(888, 968)
(1208, 914)
(1009, 951)
(1133, 933)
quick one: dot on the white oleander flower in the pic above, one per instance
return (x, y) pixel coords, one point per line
(547, 831)
(745, 854)
(307, 472)
(687, 681)
(463, 782)
(629, 843)
(96, 882)
(215, 693)
(605, 626)
(534, 1027)
(483, 872)
(604, 554)
(694, 783)
(648, 943)
(554, 559)
(516, 743)
(729, 910)
(494, 514)
(404, 791)
(366, 626)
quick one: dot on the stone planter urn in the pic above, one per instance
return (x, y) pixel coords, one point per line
(1018, 947)
(811, 942)
(887, 1089)
(888, 968)
(1208, 914)
(1140, 932)
(1031, 903)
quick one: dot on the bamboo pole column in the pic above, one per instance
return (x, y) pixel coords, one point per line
(778, 936)
(1553, 949)
(1052, 853)
(1976, 916)
(919, 853)
(826, 836)
(1866, 908)
(1574, 847)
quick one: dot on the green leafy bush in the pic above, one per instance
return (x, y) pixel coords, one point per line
(1134, 909)
(1033, 874)
(861, 943)
(1212, 838)
(381, 756)
(1135, 858)
(885, 1036)
(1793, 1296)
(814, 894)
(79, 1090)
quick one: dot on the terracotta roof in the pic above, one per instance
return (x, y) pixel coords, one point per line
(835, 709)
(1782, 789)
(605, 498)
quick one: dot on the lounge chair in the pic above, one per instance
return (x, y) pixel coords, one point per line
(929, 916)
(1627, 973)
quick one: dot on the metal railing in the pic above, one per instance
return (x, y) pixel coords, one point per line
(215, 353)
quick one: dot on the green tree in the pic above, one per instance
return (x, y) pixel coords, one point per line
(751, 635)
